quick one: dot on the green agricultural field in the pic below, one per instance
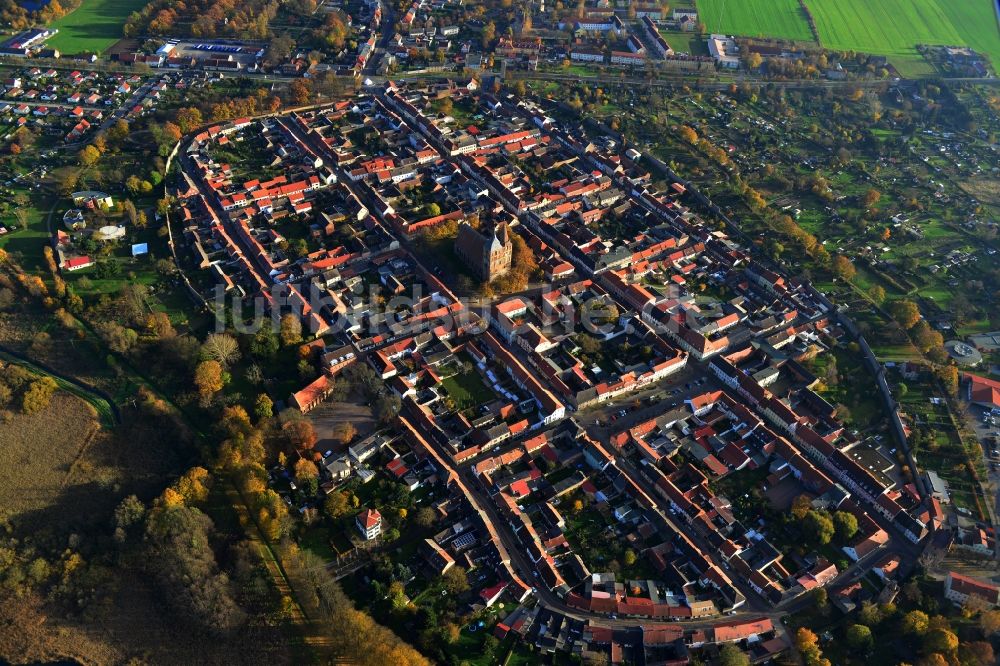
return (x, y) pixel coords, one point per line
(891, 28)
(978, 24)
(756, 18)
(94, 26)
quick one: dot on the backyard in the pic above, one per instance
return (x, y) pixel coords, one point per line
(593, 534)
(466, 388)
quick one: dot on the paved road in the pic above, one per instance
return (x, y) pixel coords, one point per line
(135, 98)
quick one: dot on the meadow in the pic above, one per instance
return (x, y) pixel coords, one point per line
(94, 26)
(756, 18)
(39, 452)
(891, 28)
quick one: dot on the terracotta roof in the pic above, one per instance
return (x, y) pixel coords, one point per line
(369, 518)
(735, 631)
(971, 586)
(982, 390)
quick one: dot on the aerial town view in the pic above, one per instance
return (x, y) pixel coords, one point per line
(500, 332)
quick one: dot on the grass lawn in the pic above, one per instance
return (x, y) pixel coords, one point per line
(95, 26)
(685, 42)
(467, 390)
(521, 655)
(756, 18)
(318, 540)
(852, 389)
(27, 243)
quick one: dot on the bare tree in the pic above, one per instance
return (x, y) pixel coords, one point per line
(221, 347)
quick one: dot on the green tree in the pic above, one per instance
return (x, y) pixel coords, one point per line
(305, 469)
(905, 312)
(337, 505)
(38, 396)
(859, 637)
(845, 524)
(870, 615)
(118, 131)
(88, 156)
(877, 294)
(455, 580)
(843, 268)
(818, 527)
(489, 33)
(915, 622)
(264, 407)
(925, 337)
(133, 184)
(940, 640)
(265, 343)
(730, 655)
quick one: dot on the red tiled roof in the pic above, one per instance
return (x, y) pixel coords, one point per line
(971, 586)
(369, 518)
(734, 631)
(982, 390)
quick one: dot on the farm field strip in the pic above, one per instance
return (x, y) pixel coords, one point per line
(777, 18)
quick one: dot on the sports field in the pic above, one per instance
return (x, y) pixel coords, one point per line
(94, 26)
(756, 18)
(884, 27)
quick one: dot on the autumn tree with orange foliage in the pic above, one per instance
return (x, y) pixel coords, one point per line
(208, 379)
(300, 433)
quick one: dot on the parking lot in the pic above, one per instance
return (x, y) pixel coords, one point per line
(246, 54)
(632, 408)
(987, 427)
